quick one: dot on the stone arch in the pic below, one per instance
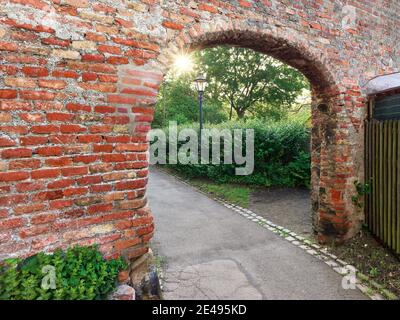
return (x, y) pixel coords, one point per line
(325, 96)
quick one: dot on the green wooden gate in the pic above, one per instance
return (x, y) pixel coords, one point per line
(382, 154)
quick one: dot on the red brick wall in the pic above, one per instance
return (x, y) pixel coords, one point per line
(79, 79)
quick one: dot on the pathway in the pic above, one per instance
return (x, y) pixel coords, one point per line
(211, 252)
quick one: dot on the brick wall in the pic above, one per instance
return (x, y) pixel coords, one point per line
(79, 79)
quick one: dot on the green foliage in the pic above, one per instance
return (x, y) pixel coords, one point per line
(257, 90)
(374, 272)
(362, 189)
(281, 158)
(179, 102)
(299, 169)
(242, 83)
(248, 81)
(81, 273)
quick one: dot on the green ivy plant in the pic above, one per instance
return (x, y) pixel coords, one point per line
(79, 273)
(362, 189)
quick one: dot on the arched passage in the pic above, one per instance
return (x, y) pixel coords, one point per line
(332, 216)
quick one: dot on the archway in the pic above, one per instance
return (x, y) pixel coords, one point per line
(333, 214)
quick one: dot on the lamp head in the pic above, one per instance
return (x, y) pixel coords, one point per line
(200, 83)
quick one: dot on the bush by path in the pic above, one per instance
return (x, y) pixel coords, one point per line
(282, 156)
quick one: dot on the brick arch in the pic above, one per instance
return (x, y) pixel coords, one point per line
(291, 49)
(287, 51)
(325, 96)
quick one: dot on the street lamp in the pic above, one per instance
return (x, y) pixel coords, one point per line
(200, 83)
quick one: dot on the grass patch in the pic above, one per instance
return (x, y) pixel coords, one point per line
(239, 195)
(234, 193)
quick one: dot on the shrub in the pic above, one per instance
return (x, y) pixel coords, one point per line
(281, 155)
(81, 273)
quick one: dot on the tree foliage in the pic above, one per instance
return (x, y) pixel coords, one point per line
(250, 82)
(178, 101)
(242, 83)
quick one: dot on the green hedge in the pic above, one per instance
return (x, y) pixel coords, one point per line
(282, 156)
(81, 273)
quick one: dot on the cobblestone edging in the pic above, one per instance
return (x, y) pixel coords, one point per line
(370, 288)
(339, 266)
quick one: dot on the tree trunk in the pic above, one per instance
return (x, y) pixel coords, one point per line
(240, 113)
(231, 111)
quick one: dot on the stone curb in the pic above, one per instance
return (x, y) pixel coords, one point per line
(364, 283)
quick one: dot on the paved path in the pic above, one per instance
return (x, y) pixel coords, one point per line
(213, 253)
(288, 207)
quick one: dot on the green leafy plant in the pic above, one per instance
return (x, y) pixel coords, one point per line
(374, 272)
(362, 189)
(80, 273)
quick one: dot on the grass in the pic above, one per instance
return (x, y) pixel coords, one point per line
(232, 192)
(239, 195)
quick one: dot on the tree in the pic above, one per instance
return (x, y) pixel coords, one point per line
(178, 101)
(248, 81)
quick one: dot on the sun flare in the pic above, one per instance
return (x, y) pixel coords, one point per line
(183, 63)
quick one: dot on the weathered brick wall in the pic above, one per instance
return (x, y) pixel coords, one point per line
(79, 79)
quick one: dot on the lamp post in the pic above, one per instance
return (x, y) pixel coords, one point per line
(200, 83)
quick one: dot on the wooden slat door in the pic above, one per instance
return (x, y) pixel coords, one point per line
(382, 166)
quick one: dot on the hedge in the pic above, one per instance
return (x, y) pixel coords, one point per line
(282, 156)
